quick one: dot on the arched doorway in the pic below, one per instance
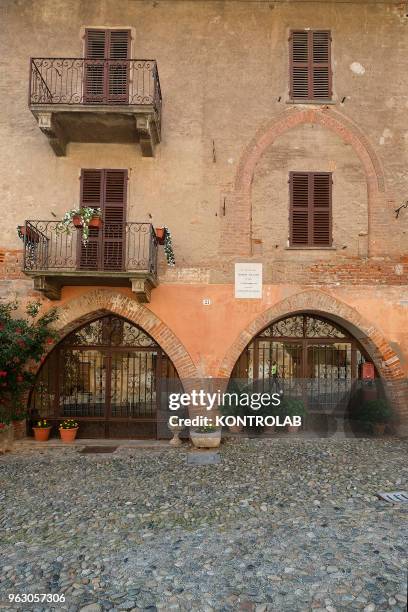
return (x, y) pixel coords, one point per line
(111, 377)
(312, 358)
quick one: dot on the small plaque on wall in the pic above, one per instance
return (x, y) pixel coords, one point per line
(248, 280)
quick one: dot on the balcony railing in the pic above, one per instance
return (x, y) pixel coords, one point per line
(81, 81)
(111, 250)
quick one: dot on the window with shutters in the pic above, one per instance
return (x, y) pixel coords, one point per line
(107, 66)
(105, 249)
(310, 209)
(310, 65)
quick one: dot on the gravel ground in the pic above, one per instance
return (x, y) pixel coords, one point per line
(281, 525)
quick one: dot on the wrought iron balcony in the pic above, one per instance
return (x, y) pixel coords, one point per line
(88, 100)
(119, 254)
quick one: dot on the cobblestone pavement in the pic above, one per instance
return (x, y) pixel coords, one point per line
(281, 525)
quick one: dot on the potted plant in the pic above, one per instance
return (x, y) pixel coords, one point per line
(19, 422)
(23, 343)
(160, 234)
(42, 430)
(375, 414)
(291, 407)
(82, 218)
(68, 430)
(207, 436)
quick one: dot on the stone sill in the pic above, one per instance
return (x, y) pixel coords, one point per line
(332, 248)
(316, 102)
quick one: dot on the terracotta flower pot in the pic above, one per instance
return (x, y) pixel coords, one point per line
(6, 438)
(293, 428)
(68, 435)
(235, 428)
(41, 434)
(77, 221)
(379, 429)
(19, 428)
(160, 234)
(95, 222)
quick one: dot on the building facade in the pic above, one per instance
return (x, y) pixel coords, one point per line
(257, 132)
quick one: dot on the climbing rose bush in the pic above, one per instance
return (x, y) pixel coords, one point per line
(21, 340)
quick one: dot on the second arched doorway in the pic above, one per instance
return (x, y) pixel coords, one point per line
(110, 376)
(310, 356)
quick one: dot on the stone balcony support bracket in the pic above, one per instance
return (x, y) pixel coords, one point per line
(148, 136)
(142, 287)
(50, 127)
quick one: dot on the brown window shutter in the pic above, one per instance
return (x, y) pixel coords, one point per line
(119, 43)
(114, 219)
(118, 68)
(91, 196)
(106, 67)
(95, 44)
(321, 70)
(299, 209)
(310, 209)
(321, 201)
(95, 52)
(310, 66)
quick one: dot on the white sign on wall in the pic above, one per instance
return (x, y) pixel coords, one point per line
(248, 280)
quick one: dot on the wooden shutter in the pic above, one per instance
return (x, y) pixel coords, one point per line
(118, 75)
(91, 196)
(95, 51)
(310, 66)
(321, 202)
(310, 209)
(106, 66)
(114, 219)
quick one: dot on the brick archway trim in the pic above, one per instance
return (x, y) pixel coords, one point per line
(88, 307)
(319, 302)
(240, 198)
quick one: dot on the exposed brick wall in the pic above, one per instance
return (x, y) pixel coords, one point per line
(240, 200)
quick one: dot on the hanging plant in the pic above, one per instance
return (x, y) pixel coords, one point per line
(82, 218)
(168, 247)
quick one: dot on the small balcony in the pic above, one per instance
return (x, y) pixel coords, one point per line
(120, 254)
(105, 101)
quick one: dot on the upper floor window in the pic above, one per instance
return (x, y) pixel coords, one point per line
(310, 209)
(107, 190)
(310, 65)
(107, 65)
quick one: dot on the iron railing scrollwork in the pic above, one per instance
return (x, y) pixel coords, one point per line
(94, 82)
(120, 247)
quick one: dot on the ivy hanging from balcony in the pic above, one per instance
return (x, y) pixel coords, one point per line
(168, 247)
(82, 218)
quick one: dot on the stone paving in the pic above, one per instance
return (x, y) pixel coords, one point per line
(278, 525)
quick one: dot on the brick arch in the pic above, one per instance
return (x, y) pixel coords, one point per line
(88, 307)
(348, 131)
(386, 360)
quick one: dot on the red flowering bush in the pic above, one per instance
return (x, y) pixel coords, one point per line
(21, 340)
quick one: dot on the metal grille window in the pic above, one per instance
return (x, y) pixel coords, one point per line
(310, 65)
(310, 209)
